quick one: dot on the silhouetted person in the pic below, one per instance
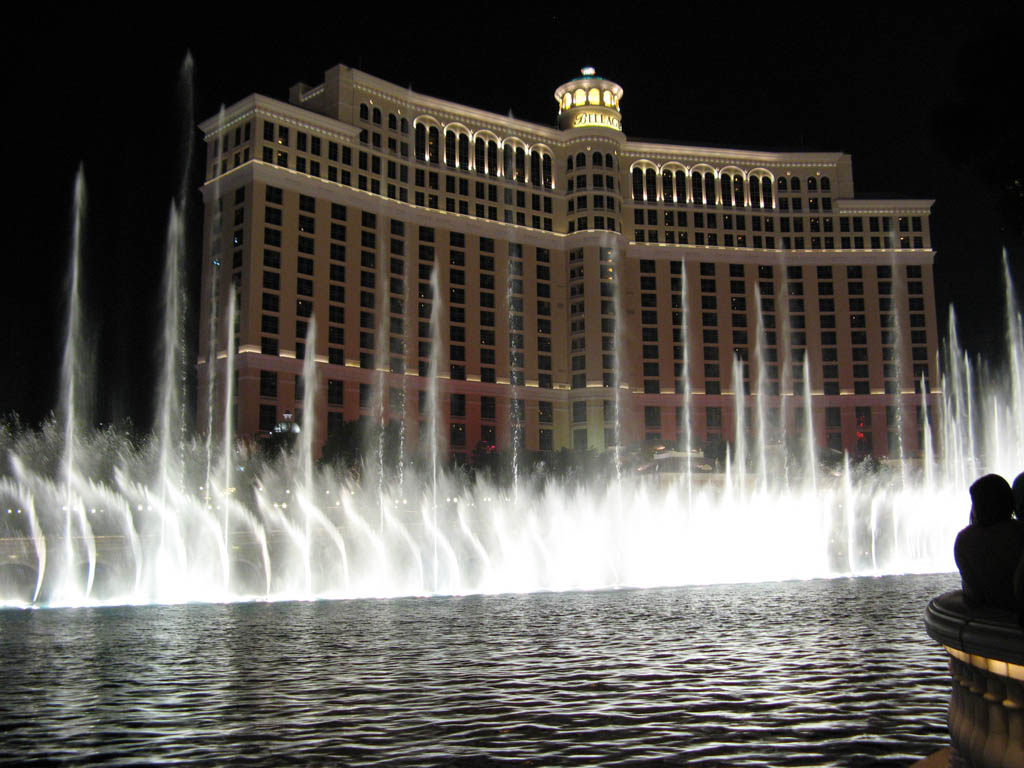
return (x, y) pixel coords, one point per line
(989, 550)
(1018, 496)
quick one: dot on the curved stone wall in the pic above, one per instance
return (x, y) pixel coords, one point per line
(986, 662)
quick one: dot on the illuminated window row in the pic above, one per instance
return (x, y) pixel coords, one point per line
(510, 158)
(593, 97)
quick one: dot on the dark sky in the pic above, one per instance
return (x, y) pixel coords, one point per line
(925, 104)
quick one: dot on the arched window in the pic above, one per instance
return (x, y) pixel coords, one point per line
(535, 177)
(549, 180)
(638, 184)
(392, 122)
(680, 187)
(405, 125)
(492, 158)
(608, 161)
(449, 148)
(794, 184)
(594, 97)
(421, 142)
(581, 160)
(376, 115)
(480, 155)
(726, 189)
(463, 151)
(782, 184)
(826, 185)
(709, 188)
(579, 97)
(364, 112)
(598, 160)
(698, 187)
(568, 163)
(434, 145)
(652, 185)
(755, 192)
(737, 190)
(812, 184)
(609, 99)
(667, 186)
(520, 164)
(766, 192)
(510, 162)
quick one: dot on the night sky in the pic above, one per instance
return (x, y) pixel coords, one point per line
(925, 105)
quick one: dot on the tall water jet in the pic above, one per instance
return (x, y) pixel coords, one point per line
(171, 403)
(211, 383)
(378, 407)
(615, 257)
(1015, 344)
(228, 439)
(216, 223)
(71, 375)
(307, 427)
(739, 400)
(433, 404)
(972, 443)
(926, 434)
(959, 456)
(402, 438)
(69, 367)
(788, 391)
(900, 301)
(408, 323)
(307, 430)
(762, 376)
(811, 455)
(515, 352)
(171, 422)
(186, 115)
(684, 338)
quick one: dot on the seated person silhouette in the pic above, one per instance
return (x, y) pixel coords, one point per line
(988, 550)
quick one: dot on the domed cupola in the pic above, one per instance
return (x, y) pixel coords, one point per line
(589, 102)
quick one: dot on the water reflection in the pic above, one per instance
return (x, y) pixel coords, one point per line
(795, 673)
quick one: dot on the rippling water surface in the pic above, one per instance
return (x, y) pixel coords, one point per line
(829, 672)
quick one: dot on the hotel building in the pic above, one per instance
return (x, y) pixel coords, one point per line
(551, 277)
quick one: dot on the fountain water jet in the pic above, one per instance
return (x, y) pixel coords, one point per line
(740, 416)
(211, 331)
(71, 375)
(811, 454)
(684, 339)
(228, 458)
(762, 375)
(515, 418)
(433, 416)
(616, 271)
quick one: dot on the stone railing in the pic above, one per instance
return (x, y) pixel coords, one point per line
(986, 661)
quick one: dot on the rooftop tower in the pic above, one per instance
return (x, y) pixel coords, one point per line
(589, 101)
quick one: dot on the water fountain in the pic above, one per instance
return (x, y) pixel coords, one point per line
(684, 379)
(116, 522)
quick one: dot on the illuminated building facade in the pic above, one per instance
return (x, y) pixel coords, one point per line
(554, 277)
